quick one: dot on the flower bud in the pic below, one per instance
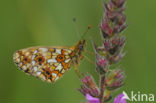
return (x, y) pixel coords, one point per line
(114, 46)
(101, 64)
(106, 29)
(116, 58)
(118, 3)
(89, 86)
(89, 82)
(115, 79)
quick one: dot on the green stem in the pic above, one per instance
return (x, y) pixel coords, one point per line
(103, 85)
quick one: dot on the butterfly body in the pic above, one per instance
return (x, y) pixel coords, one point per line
(49, 63)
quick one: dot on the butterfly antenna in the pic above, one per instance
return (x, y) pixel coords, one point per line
(76, 28)
(84, 34)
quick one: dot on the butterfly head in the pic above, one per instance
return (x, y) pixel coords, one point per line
(78, 49)
(80, 46)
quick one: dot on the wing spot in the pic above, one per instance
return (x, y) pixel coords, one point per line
(65, 65)
(59, 67)
(35, 51)
(27, 71)
(51, 61)
(60, 74)
(38, 73)
(63, 71)
(40, 59)
(51, 50)
(60, 58)
(58, 51)
(24, 67)
(26, 60)
(20, 52)
(35, 69)
(43, 50)
(67, 60)
(33, 62)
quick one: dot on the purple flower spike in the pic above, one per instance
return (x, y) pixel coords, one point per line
(92, 99)
(120, 99)
(110, 52)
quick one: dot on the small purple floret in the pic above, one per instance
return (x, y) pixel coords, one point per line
(92, 99)
(120, 99)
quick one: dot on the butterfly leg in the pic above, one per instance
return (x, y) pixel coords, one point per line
(78, 72)
(91, 53)
(89, 60)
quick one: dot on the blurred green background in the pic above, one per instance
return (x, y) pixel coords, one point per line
(25, 23)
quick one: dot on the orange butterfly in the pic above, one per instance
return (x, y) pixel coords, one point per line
(49, 63)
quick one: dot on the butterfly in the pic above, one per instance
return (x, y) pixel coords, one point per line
(49, 63)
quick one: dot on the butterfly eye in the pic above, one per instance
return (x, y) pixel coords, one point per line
(81, 47)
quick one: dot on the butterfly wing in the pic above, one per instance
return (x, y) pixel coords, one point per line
(46, 63)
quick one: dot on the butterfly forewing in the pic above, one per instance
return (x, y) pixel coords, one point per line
(46, 63)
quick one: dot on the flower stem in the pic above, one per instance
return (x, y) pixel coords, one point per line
(102, 84)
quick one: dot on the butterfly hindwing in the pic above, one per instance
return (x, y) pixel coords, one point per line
(46, 63)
